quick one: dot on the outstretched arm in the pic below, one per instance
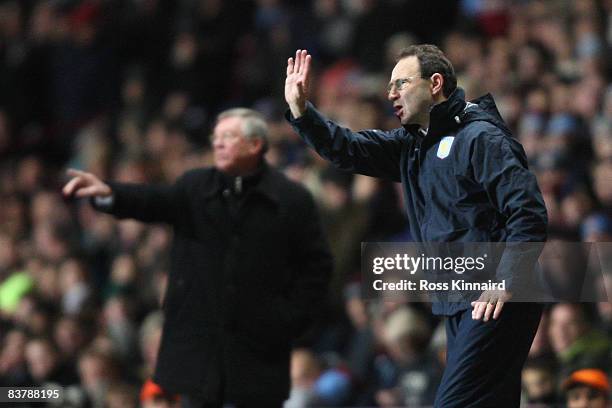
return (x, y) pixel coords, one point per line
(140, 202)
(371, 152)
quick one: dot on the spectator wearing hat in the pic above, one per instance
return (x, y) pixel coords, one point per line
(587, 388)
(154, 396)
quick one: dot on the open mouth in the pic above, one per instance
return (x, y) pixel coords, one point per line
(398, 110)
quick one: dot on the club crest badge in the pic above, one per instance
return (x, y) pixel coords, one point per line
(445, 146)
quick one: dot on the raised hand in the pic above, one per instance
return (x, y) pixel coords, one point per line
(83, 184)
(297, 82)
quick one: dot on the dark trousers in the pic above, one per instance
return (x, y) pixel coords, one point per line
(485, 359)
(215, 388)
(191, 402)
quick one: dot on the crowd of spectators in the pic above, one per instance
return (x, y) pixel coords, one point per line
(128, 89)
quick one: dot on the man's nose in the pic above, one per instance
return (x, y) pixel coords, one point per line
(392, 95)
(217, 143)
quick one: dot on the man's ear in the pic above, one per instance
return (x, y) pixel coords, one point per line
(437, 84)
(256, 145)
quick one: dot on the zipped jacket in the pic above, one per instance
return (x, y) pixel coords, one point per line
(465, 179)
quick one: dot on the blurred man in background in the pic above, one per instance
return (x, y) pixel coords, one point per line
(249, 267)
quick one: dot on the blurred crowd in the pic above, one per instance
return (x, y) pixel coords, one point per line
(129, 89)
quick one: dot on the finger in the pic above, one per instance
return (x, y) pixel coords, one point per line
(477, 313)
(71, 186)
(298, 61)
(306, 68)
(303, 55)
(83, 175)
(478, 310)
(481, 310)
(488, 311)
(498, 310)
(75, 172)
(88, 192)
(290, 66)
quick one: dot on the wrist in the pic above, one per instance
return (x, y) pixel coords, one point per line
(297, 110)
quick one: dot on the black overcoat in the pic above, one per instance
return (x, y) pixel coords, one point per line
(240, 288)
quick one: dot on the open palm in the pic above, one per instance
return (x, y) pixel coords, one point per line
(297, 82)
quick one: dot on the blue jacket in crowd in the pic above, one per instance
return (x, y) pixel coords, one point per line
(465, 179)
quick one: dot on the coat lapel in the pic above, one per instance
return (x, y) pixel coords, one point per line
(215, 208)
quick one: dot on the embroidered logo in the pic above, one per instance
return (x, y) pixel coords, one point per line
(445, 146)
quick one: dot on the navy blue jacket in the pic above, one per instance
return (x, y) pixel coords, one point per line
(466, 180)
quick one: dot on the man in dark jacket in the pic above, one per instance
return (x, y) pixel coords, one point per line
(465, 179)
(249, 264)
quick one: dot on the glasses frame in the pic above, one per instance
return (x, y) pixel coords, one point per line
(399, 83)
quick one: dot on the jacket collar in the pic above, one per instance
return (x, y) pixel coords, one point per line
(487, 111)
(268, 183)
(446, 116)
(264, 182)
(443, 117)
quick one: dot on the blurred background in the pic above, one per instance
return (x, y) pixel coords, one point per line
(129, 89)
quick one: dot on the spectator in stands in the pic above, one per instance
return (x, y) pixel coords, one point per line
(575, 341)
(409, 374)
(153, 396)
(44, 364)
(305, 371)
(587, 388)
(540, 382)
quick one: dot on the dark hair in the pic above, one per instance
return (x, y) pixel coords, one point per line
(432, 60)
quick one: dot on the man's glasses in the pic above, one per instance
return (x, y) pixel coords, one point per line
(399, 84)
(224, 137)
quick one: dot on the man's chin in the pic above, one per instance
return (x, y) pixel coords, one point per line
(222, 167)
(405, 119)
